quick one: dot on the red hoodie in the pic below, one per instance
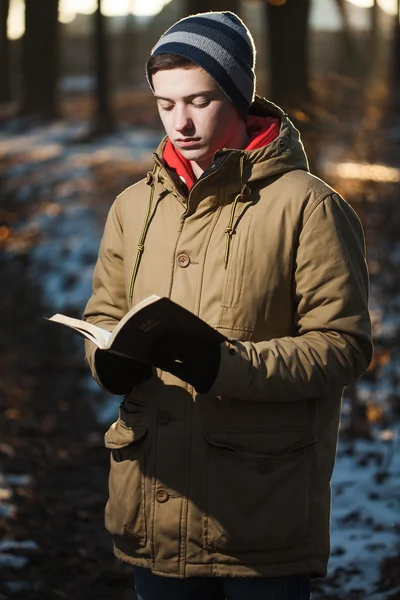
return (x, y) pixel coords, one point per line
(261, 131)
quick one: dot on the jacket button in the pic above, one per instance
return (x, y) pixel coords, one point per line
(164, 417)
(183, 260)
(162, 496)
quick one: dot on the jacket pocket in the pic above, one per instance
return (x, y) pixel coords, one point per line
(258, 489)
(125, 509)
(236, 268)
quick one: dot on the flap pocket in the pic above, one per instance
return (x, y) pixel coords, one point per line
(261, 443)
(258, 487)
(119, 435)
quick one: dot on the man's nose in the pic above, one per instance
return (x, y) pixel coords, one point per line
(182, 120)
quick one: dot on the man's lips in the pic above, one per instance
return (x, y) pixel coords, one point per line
(187, 141)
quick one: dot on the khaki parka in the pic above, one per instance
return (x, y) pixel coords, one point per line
(235, 482)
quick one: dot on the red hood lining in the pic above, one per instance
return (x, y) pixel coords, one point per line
(261, 131)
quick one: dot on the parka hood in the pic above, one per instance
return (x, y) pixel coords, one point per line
(285, 153)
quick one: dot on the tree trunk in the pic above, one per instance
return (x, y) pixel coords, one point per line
(103, 121)
(374, 31)
(40, 56)
(287, 27)
(126, 59)
(396, 61)
(5, 87)
(349, 46)
(196, 6)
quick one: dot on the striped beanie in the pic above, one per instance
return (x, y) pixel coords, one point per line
(219, 43)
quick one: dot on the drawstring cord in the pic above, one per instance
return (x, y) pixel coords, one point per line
(229, 231)
(140, 248)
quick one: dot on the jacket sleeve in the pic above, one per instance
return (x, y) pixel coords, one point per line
(106, 307)
(333, 343)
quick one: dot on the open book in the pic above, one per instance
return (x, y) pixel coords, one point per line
(137, 333)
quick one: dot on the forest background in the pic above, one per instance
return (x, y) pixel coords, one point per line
(77, 126)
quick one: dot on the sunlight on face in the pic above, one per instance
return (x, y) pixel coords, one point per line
(197, 116)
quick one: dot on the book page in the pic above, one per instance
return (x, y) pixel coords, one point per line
(97, 335)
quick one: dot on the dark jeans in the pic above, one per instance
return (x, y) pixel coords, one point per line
(154, 587)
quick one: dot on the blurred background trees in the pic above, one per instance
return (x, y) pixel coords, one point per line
(108, 53)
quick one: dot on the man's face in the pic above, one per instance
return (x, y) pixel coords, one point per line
(197, 116)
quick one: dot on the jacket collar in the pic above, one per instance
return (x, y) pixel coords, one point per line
(261, 130)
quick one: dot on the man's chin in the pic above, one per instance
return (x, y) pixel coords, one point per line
(194, 154)
(191, 153)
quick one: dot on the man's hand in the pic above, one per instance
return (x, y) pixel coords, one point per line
(119, 374)
(194, 361)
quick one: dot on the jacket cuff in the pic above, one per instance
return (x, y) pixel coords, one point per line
(232, 357)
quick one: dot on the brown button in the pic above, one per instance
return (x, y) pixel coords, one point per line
(162, 496)
(164, 417)
(183, 260)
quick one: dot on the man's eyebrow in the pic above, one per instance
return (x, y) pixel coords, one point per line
(190, 97)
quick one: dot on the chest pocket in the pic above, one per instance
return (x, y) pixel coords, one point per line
(235, 271)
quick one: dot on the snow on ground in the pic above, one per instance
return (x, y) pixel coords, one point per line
(63, 236)
(365, 516)
(13, 553)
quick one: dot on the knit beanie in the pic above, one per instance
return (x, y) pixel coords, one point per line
(219, 43)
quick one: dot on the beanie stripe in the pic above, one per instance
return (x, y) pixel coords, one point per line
(232, 21)
(223, 30)
(228, 43)
(201, 58)
(219, 43)
(213, 49)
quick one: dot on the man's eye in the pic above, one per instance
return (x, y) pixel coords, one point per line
(166, 107)
(201, 104)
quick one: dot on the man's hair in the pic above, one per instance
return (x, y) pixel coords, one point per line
(166, 62)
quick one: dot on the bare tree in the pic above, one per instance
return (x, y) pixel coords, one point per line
(287, 26)
(349, 46)
(396, 60)
(40, 57)
(5, 87)
(127, 57)
(103, 123)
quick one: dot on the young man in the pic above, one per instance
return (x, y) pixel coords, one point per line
(221, 458)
